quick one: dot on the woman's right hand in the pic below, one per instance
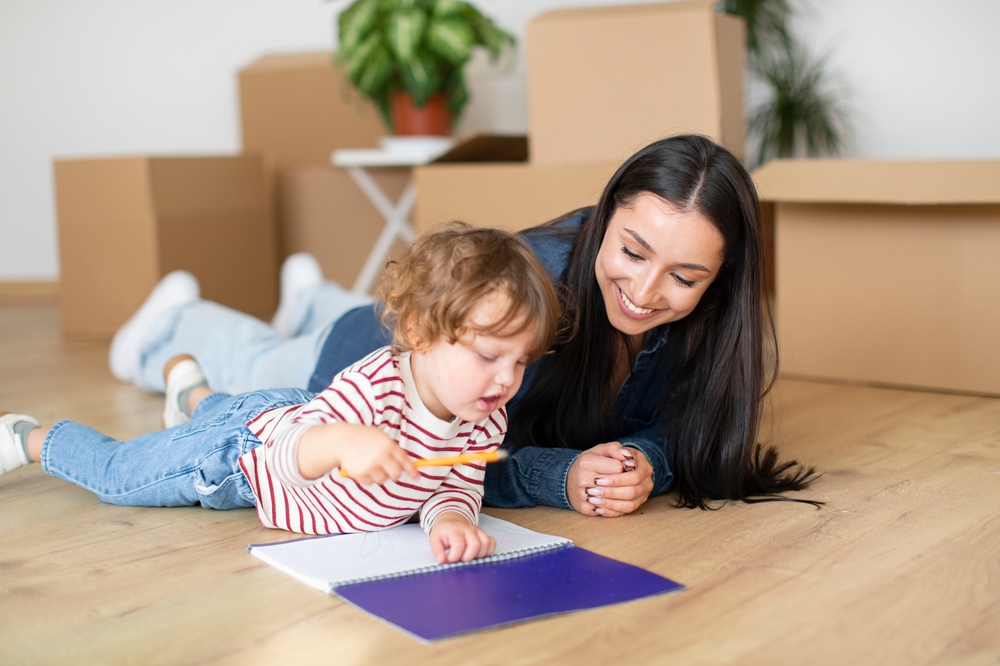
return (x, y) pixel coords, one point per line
(598, 486)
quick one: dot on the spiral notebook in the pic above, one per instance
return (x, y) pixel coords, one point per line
(393, 576)
(328, 562)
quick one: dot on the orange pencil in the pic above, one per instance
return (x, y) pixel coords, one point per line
(448, 461)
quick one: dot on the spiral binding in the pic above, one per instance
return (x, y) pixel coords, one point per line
(513, 555)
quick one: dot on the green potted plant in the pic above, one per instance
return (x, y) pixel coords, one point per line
(800, 112)
(408, 57)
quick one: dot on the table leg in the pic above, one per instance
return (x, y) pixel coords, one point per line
(397, 224)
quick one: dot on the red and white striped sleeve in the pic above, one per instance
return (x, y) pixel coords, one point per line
(348, 399)
(462, 489)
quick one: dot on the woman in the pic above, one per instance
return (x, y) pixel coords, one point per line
(666, 356)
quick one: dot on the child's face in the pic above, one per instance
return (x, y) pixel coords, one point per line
(475, 376)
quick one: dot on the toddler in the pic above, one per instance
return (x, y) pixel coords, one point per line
(469, 308)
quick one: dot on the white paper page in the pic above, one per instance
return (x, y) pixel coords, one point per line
(325, 562)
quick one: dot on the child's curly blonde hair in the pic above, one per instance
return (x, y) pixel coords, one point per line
(431, 291)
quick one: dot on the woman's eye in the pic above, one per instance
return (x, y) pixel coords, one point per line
(630, 254)
(488, 359)
(682, 281)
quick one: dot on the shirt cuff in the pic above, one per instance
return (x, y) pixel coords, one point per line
(547, 477)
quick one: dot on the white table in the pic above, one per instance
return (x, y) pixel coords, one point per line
(394, 152)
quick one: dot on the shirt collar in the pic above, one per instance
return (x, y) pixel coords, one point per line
(655, 338)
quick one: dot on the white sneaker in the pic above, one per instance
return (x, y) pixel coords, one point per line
(12, 453)
(299, 272)
(179, 374)
(174, 290)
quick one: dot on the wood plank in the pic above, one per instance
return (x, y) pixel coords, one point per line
(902, 564)
(29, 291)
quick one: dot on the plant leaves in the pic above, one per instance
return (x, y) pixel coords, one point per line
(489, 35)
(452, 39)
(376, 72)
(404, 30)
(801, 114)
(444, 8)
(355, 22)
(766, 20)
(355, 60)
(458, 93)
(422, 77)
(418, 46)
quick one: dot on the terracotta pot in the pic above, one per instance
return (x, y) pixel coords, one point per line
(432, 119)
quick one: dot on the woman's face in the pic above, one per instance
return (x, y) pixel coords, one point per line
(655, 263)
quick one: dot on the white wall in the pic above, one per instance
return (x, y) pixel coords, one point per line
(924, 75)
(108, 77)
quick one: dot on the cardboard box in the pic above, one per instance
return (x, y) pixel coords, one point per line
(605, 81)
(297, 109)
(887, 272)
(126, 222)
(509, 196)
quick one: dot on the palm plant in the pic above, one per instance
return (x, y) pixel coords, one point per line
(766, 21)
(798, 114)
(418, 47)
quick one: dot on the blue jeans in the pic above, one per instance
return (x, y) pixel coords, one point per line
(195, 463)
(239, 353)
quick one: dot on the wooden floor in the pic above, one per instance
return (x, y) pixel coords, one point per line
(902, 565)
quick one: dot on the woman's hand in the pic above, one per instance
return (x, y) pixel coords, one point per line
(453, 538)
(598, 486)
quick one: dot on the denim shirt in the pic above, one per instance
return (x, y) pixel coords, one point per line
(535, 475)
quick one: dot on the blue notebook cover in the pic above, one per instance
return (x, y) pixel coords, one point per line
(441, 604)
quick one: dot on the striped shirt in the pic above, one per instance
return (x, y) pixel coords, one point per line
(376, 391)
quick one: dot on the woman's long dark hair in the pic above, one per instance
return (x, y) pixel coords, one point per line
(718, 375)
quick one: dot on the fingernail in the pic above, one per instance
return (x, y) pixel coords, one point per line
(603, 482)
(627, 453)
(596, 492)
(596, 501)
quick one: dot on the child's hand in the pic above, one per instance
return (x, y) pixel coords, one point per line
(373, 457)
(454, 539)
(366, 453)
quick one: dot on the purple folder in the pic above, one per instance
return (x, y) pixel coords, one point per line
(440, 604)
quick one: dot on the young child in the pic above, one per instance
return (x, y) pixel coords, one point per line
(469, 309)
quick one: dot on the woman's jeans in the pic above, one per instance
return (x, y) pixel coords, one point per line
(240, 353)
(194, 463)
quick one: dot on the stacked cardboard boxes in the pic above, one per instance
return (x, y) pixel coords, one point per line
(295, 111)
(602, 83)
(886, 272)
(124, 223)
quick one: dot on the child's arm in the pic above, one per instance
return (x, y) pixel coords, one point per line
(337, 428)
(454, 539)
(461, 490)
(364, 452)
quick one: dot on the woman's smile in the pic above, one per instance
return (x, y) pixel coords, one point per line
(631, 309)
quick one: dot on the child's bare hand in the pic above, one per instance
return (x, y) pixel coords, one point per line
(454, 539)
(367, 454)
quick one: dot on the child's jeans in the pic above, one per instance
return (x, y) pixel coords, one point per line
(195, 463)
